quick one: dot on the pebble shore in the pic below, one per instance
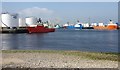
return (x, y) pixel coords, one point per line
(52, 60)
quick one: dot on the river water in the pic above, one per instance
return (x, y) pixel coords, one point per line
(63, 39)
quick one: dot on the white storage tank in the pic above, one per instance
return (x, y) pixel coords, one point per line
(6, 20)
(0, 21)
(9, 20)
(22, 22)
(31, 21)
(15, 19)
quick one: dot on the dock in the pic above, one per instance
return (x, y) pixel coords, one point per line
(13, 30)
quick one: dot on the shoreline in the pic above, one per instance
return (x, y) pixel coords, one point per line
(58, 59)
(91, 55)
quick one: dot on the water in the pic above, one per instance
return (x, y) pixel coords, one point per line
(80, 40)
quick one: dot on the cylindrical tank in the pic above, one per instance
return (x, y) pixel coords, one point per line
(9, 20)
(0, 21)
(15, 20)
(1, 24)
(31, 21)
(6, 19)
(22, 22)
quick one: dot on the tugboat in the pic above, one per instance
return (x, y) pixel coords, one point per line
(110, 26)
(78, 25)
(39, 28)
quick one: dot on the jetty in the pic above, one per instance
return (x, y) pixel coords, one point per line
(13, 30)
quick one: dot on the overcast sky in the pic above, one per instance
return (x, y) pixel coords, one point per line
(61, 12)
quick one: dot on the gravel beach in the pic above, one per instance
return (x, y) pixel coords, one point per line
(52, 60)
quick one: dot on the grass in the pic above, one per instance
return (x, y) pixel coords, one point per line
(90, 55)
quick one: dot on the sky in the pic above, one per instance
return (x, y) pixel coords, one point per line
(119, 13)
(63, 12)
(60, 0)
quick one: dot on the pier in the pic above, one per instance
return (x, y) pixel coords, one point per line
(13, 30)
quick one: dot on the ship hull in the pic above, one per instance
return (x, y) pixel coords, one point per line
(40, 29)
(110, 27)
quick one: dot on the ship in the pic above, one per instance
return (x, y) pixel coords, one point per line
(110, 26)
(40, 29)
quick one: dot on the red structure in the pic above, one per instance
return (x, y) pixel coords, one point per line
(40, 29)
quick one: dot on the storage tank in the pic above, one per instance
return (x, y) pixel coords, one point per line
(15, 19)
(9, 20)
(22, 22)
(6, 20)
(31, 21)
(1, 24)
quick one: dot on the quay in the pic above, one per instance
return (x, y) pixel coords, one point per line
(22, 29)
(25, 30)
(13, 30)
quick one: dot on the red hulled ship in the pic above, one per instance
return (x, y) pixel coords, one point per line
(40, 29)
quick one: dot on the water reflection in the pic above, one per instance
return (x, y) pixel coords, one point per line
(31, 41)
(10, 41)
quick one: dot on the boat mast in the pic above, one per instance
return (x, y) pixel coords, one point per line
(89, 20)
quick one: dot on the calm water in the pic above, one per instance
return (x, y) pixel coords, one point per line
(83, 40)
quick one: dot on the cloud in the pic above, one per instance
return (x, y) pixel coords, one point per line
(36, 12)
(44, 13)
